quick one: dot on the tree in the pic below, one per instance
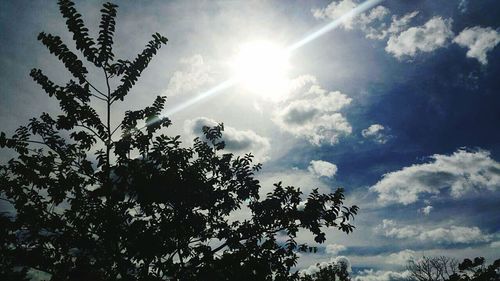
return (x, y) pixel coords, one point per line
(332, 271)
(477, 271)
(432, 268)
(90, 205)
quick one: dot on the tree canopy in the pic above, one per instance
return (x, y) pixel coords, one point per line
(477, 270)
(328, 271)
(443, 268)
(426, 268)
(93, 201)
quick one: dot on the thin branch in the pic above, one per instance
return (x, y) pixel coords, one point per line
(37, 142)
(107, 84)
(32, 141)
(98, 97)
(97, 90)
(108, 126)
(243, 238)
(51, 148)
(119, 125)
(91, 130)
(114, 99)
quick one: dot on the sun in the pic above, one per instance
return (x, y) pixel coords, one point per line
(261, 68)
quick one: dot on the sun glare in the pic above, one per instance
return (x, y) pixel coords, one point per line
(261, 68)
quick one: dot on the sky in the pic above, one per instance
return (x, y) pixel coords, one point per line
(398, 104)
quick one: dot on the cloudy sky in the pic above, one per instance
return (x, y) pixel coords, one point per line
(398, 104)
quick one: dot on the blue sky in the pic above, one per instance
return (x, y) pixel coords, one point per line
(400, 105)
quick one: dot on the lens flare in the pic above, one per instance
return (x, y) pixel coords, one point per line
(257, 64)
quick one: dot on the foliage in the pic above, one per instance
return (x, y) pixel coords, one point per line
(477, 270)
(444, 268)
(140, 206)
(333, 271)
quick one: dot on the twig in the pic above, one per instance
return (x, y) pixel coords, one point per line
(91, 130)
(119, 125)
(98, 97)
(90, 84)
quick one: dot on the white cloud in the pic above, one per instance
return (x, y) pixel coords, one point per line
(426, 210)
(364, 21)
(376, 14)
(322, 168)
(372, 130)
(441, 235)
(404, 41)
(400, 24)
(237, 141)
(407, 41)
(462, 6)
(401, 258)
(292, 177)
(335, 10)
(456, 234)
(479, 41)
(434, 34)
(302, 205)
(334, 249)
(301, 81)
(381, 275)
(395, 259)
(375, 132)
(461, 173)
(195, 73)
(373, 23)
(390, 229)
(495, 244)
(313, 114)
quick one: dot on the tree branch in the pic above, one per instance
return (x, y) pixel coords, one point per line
(108, 125)
(91, 130)
(98, 97)
(36, 142)
(95, 89)
(119, 125)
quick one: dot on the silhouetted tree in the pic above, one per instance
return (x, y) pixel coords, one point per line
(333, 271)
(90, 205)
(432, 268)
(476, 270)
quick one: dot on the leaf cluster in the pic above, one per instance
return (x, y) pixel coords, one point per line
(477, 270)
(332, 272)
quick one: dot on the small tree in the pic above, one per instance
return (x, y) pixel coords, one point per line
(146, 208)
(476, 270)
(432, 268)
(333, 271)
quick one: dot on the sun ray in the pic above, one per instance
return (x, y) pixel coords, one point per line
(334, 24)
(307, 39)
